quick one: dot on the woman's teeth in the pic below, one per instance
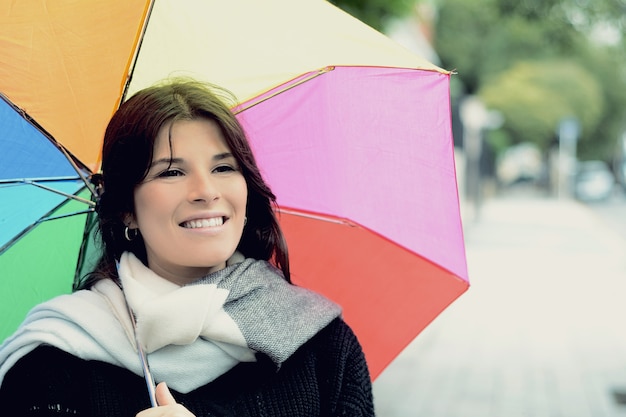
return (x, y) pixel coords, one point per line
(196, 224)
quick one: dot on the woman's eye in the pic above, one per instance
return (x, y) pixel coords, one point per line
(224, 168)
(171, 173)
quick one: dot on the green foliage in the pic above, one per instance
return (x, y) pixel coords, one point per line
(499, 140)
(376, 13)
(607, 65)
(534, 96)
(458, 38)
(533, 60)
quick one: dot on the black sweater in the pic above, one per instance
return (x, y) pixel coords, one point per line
(327, 376)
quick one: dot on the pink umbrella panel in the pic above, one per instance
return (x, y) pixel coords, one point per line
(362, 162)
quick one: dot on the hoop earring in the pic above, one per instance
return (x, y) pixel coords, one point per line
(128, 232)
(245, 221)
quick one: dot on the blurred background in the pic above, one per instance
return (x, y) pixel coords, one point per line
(538, 100)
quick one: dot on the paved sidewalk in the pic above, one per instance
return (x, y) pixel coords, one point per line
(541, 331)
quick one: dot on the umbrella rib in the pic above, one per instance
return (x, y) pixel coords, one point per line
(78, 170)
(62, 216)
(286, 88)
(317, 217)
(64, 194)
(131, 66)
(43, 179)
(70, 158)
(43, 218)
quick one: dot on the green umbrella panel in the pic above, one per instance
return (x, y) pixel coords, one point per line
(42, 263)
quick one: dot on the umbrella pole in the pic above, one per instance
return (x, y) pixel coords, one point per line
(142, 356)
(144, 361)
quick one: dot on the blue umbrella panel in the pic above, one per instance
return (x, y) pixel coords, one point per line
(45, 201)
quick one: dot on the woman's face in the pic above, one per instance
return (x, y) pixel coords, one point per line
(191, 207)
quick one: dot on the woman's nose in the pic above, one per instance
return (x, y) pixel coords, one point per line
(202, 188)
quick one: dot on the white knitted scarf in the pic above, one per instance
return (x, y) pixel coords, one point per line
(192, 334)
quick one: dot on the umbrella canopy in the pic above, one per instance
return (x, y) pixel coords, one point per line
(351, 131)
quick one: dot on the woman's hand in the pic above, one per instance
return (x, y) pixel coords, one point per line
(167, 405)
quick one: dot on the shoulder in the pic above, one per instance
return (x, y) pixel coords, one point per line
(337, 336)
(57, 379)
(338, 328)
(42, 359)
(42, 366)
(48, 375)
(342, 370)
(338, 354)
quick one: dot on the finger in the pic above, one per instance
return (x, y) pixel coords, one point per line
(163, 395)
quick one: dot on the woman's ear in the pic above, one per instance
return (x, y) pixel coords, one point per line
(129, 220)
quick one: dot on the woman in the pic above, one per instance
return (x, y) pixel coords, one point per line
(192, 247)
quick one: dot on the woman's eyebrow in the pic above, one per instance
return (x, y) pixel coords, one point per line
(223, 155)
(172, 161)
(166, 161)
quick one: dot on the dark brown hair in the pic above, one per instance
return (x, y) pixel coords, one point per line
(127, 154)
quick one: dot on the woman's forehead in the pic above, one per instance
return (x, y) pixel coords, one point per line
(180, 134)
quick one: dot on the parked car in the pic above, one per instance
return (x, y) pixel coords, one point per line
(520, 163)
(594, 181)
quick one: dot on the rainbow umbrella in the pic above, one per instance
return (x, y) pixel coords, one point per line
(351, 131)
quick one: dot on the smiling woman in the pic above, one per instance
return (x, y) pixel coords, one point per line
(194, 275)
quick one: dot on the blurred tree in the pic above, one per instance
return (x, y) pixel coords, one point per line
(534, 96)
(458, 35)
(376, 13)
(535, 60)
(607, 65)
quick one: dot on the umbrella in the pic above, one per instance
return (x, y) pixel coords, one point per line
(351, 131)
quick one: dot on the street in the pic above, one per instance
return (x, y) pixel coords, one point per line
(613, 211)
(540, 332)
